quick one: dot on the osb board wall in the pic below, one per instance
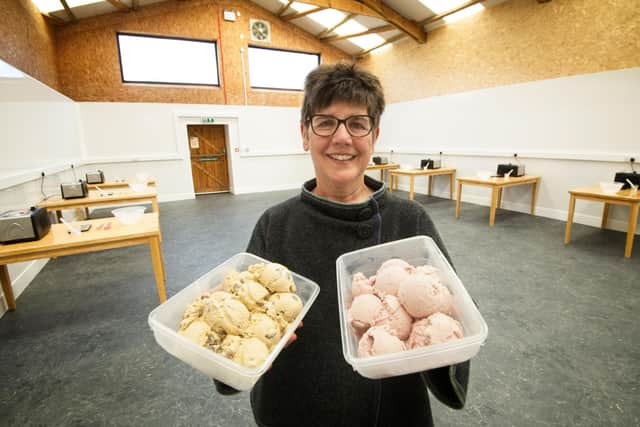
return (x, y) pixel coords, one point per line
(89, 67)
(26, 41)
(514, 42)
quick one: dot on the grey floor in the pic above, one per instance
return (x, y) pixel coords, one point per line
(563, 346)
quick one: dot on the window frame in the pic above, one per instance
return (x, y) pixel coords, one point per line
(154, 36)
(317, 54)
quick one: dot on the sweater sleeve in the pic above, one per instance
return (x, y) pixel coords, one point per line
(449, 383)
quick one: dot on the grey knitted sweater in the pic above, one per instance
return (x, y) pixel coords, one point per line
(310, 383)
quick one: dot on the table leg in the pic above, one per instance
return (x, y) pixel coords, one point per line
(567, 231)
(605, 216)
(6, 288)
(391, 177)
(631, 230)
(499, 205)
(494, 201)
(430, 187)
(158, 267)
(382, 175)
(87, 214)
(534, 196)
(451, 181)
(459, 196)
(154, 205)
(411, 188)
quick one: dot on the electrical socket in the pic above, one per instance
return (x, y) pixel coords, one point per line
(632, 159)
(515, 154)
(42, 174)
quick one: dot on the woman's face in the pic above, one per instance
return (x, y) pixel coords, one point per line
(340, 160)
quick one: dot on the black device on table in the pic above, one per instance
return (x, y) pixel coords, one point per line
(74, 190)
(24, 225)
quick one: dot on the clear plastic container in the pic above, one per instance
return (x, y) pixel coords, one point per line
(165, 319)
(129, 215)
(419, 250)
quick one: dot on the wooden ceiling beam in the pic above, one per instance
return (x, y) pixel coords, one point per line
(348, 6)
(410, 28)
(362, 33)
(329, 30)
(391, 40)
(297, 15)
(119, 5)
(70, 14)
(284, 8)
(435, 18)
(53, 19)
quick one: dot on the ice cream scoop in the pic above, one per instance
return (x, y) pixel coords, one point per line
(287, 305)
(275, 277)
(227, 316)
(397, 319)
(230, 346)
(251, 293)
(265, 328)
(390, 275)
(251, 353)
(366, 310)
(360, 284)
(424, 294)
(379, 340)
(435, 329)
(201, 333)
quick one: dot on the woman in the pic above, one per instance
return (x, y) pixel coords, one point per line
(341, 210)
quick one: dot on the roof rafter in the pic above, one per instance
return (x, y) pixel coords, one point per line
(391, 40)
(329, 30)
(349, 6)
(361, 33)
(297, 15)
(284, 8)
(70, 14)
(119, 5)
(449, 12)
(411, 28)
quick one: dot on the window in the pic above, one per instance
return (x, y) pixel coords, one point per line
(280, 69)
(167, 60)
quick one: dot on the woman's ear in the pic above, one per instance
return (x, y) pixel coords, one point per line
(305, 137)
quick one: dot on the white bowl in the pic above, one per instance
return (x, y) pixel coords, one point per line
(138, 187)
(611, 187)
(165, 322)
(129, 215)
(418, 250)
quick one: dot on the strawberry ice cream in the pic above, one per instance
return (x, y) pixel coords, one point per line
(435, 329)
(379, 340)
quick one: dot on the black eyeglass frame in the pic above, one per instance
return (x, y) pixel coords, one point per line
(341, 121)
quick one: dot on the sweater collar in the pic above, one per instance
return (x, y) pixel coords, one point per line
(347, 211)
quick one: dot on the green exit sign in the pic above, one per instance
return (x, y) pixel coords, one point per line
(208, 120)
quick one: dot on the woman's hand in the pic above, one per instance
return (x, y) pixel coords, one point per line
(293, 336)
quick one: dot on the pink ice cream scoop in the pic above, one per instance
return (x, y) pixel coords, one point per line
(360, 284)
(423, 294)
(379, 340)
(398, 320)
(435, 329)
(366, 310)
(390, 274)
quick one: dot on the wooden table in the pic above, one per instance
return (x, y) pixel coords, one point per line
(383, 168)
(412, 173)
(58, 242)
(497, 184)
(96, 198)
(624, 197)
(116, 184)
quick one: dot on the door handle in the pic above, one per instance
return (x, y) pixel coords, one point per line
(208, 159)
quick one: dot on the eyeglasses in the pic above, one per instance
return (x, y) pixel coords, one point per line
(326, 125)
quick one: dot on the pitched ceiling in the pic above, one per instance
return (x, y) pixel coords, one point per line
(353, 26)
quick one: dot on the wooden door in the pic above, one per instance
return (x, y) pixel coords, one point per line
(207, 147)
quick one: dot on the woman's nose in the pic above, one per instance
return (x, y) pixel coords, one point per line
(341, 132)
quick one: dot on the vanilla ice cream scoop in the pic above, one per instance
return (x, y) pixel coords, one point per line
(424, 294)
(227, 316)
(230, 346)
(366, 310)
(286, 305)
(201, 333)
(435, 329)
(251, 293)
(251, 353)
(379, 340)
(275, 277)
(265, 328)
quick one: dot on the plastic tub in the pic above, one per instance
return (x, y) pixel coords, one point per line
(165, 321)
(419, 250)
(611, 187)
(138, 187)
(129, 215)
